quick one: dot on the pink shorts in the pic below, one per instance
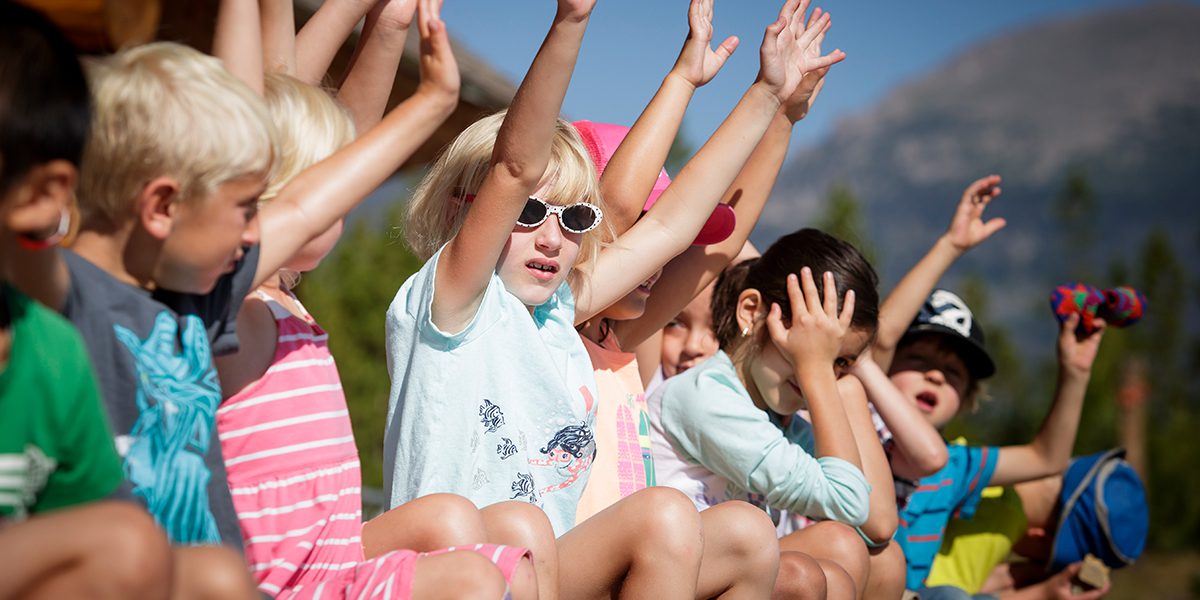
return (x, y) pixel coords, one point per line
(391, 576)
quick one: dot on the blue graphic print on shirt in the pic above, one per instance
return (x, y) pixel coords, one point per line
(177, 396)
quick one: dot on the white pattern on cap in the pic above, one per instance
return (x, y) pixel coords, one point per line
(951, 312)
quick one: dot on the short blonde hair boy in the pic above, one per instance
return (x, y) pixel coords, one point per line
(436, 211)
(164, 109)
(309, 127)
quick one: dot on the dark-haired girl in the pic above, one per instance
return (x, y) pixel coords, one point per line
(727, 429)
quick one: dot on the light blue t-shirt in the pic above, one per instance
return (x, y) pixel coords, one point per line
(502, 410)
(712, 443)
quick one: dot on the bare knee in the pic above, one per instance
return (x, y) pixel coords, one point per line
(667, 525)
(203, 572)
(747, 534)
(462, 574)
(136, 558)
(800, 577)
(517, 523)
(842, 544)
(887, 572)
(838, 583)
(426, 523)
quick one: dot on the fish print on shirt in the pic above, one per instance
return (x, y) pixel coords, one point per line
(523, 488)
(506, 448)
(491, 416)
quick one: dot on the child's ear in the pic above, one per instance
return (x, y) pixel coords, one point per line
(39, 199)
(750, 309)
(157, 205)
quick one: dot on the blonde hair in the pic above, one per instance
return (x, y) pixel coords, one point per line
(436, 213)
(309, 124)
(164, 109)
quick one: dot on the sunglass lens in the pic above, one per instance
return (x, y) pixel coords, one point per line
(534, 213)
(578, 218)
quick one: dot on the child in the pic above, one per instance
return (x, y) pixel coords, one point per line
(725, 429)
(285, 434)
(169, 247)
(621, 394)
(452, 353)
(1097, 507)
(59, 538)
(939, 361)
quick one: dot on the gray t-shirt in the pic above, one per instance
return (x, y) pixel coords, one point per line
(153, 354)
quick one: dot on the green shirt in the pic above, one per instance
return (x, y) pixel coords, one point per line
(56, 449)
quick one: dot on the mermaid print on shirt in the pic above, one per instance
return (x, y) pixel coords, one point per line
(177, 399)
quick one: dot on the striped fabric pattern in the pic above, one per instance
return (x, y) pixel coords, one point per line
(293, 467)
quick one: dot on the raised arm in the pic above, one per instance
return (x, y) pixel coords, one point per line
(368, 84)
(519, 161)
(675, 219)
(237, 41)
(633, 168)
(314, 200)
(918, 449)
(1050, 451)
(278, 36)
(318, 41)
(689, 273)
(967, 230)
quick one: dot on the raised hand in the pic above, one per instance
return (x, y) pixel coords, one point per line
(784, 57)
(439, 70)
(698, 63)
(1077, 350)
(575, 10)
(815, 334)
(394, 15)
(797, 105)
(967, 228)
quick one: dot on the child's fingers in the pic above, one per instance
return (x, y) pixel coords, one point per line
(726, 49)
(815, 46)
(775, 325)
(829, 295)
(847, 310)
(828, 60)
(807, 36)
(796, 19)
(993, 226)
(787, 9)
(812, 298)
(812, 19)
(796, 297)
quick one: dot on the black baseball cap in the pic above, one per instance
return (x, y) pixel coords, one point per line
(945, 313)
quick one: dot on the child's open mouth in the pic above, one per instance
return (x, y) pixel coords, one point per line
(541, 269)
(927, 401)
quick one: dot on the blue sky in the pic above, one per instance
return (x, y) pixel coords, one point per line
(631, 44)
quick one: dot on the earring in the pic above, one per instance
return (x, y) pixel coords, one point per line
(745, 331)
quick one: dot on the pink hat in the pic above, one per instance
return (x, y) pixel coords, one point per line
(601, 141)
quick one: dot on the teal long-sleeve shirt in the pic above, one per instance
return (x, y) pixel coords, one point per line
(711, 442)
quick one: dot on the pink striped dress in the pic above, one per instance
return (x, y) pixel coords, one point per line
(294, 474)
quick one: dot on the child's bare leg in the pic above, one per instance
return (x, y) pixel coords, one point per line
(425, 524)
(741, 552)
(462, 574)
(99, 550)
(648, 545)
(800, 578)
(211, 572)
(525, 525)
(886, 579)
(840, 552)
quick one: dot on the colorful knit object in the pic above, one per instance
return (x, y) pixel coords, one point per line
(1119, 307)
(1123, 306)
